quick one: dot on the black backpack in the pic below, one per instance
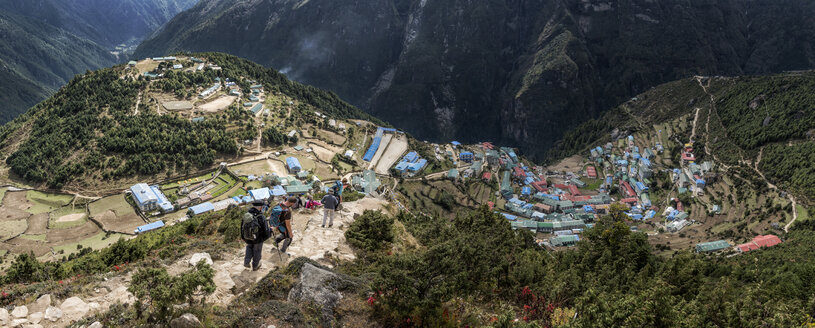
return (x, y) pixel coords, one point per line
(254, 228)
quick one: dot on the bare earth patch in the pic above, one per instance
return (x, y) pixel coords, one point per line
(124, 224)
(71, 217)
(37, 224)
(397, 147)
(217, 105)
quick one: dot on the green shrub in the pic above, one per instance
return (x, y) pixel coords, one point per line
(157, 291)
(370, 231)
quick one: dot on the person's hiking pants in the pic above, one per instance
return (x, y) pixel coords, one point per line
(328, 214)
(253, 252)
(286, 241)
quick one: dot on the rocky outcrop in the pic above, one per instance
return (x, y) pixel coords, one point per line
(198, 257)
(187, 320)
(316, 286)
(74, 308)
(20, 312)
(53, 313)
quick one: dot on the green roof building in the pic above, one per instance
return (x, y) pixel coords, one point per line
(565, 240)
(452, 174)
(713, 246)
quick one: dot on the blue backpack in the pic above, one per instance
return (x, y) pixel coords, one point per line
(338, 188)
(274, 218)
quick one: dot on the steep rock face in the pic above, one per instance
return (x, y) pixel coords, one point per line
(517, 72)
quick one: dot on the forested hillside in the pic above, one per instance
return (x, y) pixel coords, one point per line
(106, 23)
(90, 129)
(519, 73)
(37, 59)
(46, 42)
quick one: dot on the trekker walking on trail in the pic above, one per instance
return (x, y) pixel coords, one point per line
(329, 207)
(338, 188)
(254, 231)
(280, 218)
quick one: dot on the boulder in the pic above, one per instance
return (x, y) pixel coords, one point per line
(33, 325)
(42, 303)
(96, 324)
(74, 307)
(198, 257)
(315, 286)
(19, 322)
(187, 320)
(53, 313)
(4, 316)
(20, 312)
(35, 317)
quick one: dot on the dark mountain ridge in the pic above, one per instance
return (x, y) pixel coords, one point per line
(515, 72)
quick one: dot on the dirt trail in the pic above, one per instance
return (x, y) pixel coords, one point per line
(138, 101)
(752, 165)
(310, 240)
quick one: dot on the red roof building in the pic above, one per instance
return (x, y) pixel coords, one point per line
(573, 190)
(628, 190)
(543, 208)
(767, 240)
(581, 198)
(518, 172)
(591, 172)
(561, 186)
(491, 204)
(487, 176)
(487, 145)
(688, 157)
(630, 201)
(539, 185)
(759, 242)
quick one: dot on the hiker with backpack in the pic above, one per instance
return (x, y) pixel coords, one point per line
(254, 231)
(338, 188)
(280, 218)
(329, 207)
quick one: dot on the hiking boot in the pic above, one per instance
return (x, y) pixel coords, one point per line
(246, 265)
(330, 225)
(322, 226)
(257, 267)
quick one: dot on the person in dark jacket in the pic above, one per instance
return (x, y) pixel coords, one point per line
(330, 203)
(254, 247)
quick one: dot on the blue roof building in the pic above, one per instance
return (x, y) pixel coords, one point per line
(293, 165)
(278, 191)
(260, 194)
(418, 166)
(163, 202)
(144, 197)
(411, 157)
(200, 209)
(526, 191)
(466, 156)
(149, 226)
(402, 166)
